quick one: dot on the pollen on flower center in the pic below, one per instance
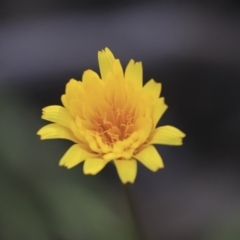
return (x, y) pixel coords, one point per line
(114, 134)
(114, 129)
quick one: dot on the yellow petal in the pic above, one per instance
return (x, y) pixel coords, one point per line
(91, 80)
(57, 114)
(74, 107)
(75, 155)
(54, 130)
(72, 88)
(105, 61)
(134, 73)
(142, 129)
(94, 165)
(153, 89)
(158, 110)
(64, 100)
(150, 158)
(127, 170)
(167, 135)
(117, 69)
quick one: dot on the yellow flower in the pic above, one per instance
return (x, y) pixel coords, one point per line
(112, 118)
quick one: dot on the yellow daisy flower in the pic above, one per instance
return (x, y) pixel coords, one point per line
(112, 118)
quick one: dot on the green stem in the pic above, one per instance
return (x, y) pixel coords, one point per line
(133, 210)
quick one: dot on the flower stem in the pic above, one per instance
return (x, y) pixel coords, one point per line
(133, 210)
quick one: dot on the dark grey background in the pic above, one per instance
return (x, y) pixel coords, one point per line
(192, 48)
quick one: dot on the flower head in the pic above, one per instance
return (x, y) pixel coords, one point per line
(112, 118)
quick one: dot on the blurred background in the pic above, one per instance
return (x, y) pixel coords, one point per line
(192, 48)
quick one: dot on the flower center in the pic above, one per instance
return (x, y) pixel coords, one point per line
(115, 126)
